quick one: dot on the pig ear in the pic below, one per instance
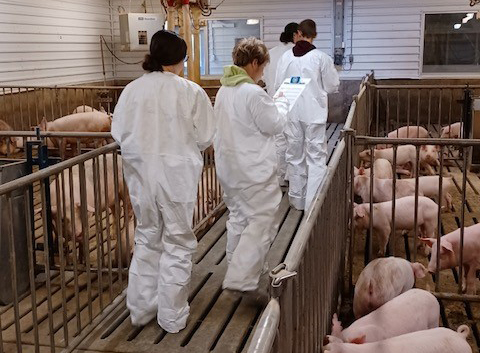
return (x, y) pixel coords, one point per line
(428, 241)
(359, 212)
(102, 109)
(43, 124)
(446, 245)
(359, 340)
(336, 327)
(418, 270)
(368, 152)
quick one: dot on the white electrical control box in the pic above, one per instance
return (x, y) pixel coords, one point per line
(137, 29)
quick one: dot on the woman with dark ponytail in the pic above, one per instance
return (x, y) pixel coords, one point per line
(162, 122)
(288, 39)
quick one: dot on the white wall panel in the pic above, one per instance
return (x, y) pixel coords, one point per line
(51, 42)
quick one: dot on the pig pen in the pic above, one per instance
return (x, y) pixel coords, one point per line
(432, 107)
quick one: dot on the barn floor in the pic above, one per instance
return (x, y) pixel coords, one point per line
(453, 313)
(219, 321)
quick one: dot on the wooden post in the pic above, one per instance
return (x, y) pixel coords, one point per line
(196, 43)
(171, 11)
(187, 36)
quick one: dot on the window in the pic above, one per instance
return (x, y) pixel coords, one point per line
(452, 43)
(222, 35)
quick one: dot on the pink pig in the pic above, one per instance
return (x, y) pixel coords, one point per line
(450, 254)
(382, 169)
(404, 217)
(382, 189)
(382, 280)
(406, 155)
(409, 132)
(80, 122)
(414, 310)
(437, 340)
(453, 131)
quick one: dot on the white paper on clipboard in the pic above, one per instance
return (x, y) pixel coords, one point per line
(292, 88)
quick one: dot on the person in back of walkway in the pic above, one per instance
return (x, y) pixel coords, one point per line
(247, 120)
(288, 38)
(162, 122)
(306, 153)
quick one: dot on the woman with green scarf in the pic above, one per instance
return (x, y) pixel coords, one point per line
(247, 121)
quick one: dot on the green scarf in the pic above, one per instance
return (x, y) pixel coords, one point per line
(234, 75)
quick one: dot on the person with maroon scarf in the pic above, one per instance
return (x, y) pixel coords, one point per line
(305, 132)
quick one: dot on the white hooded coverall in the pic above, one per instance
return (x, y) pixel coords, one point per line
(306, 153)
(162, 122)
(269, 74)
(245, 157)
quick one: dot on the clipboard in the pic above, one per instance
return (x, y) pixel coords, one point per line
(292, 88)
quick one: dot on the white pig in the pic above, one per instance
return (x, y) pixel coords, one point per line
(80, 122)
(409, 132)
(7, 144)
(453, 131)
(382, 169)
(414, 310)
(450, 254)
(382, 280)
(382, 188)
(437, 340)
(105, 202)
(406, 155)
(86, 109)
(404, 218)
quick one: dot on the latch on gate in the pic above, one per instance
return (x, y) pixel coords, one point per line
(279, 274)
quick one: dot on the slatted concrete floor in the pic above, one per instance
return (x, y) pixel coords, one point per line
(218, 321)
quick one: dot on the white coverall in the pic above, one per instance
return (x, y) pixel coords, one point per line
(245, 157)
(161, 123)
(306, 153)
(276, 54)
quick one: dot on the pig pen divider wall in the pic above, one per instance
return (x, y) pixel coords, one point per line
(23, 107)
(307, 285)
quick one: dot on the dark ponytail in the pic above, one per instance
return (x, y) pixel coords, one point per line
(166, 48)
(287, 34)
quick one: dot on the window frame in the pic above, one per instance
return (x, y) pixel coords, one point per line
(206, 52)
(460, 75)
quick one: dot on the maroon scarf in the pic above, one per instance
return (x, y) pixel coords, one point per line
(302, 47)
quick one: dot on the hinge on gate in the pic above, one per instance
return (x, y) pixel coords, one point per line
(346, 131)
(279, 274)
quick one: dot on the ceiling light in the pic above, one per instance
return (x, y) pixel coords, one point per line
(457, 25)
(253, 21)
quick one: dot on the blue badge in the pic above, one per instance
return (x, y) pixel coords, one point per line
(295, 79)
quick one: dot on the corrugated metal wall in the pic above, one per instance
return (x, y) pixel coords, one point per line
(387, 35)
(46, 42)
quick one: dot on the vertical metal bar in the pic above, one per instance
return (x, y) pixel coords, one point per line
(86, 235)
(27, 93)
(378, 110)
(62, 259)
(117, 218)
(107, 225)
(387, 115)
(4, 101)
(13, 274)
(439, 222)
(350, 141)
(74, 251)
(418, 112)
(98, 226)
(429, 109)
(394, 187)
(408, 107)
(465, 151)
(415, 221)
(398, 111)
(12, 110)
(440, 108)
(47, 268)
(21, 111)
(370, 244)
(450, 107)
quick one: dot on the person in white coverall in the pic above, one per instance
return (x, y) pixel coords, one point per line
(288, 38)
(306, 153)
(162, 122)
(247, 121)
